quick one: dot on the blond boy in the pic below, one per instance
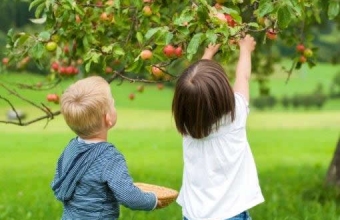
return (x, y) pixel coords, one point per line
(92, 178)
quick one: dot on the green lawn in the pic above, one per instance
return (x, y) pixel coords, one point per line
(292, 152)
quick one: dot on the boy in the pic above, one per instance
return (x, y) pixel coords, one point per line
(92, 178)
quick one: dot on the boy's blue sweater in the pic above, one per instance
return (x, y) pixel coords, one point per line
(92, 180)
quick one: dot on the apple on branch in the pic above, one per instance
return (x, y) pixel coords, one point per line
(157, 72)
(55, 66)
(5, 61)
(169, 50)
(146, 54)
(51, 46)
(302, 59)
(178, 51)
(271, 34)
(147, 11)
(300, 48)
(53, 98)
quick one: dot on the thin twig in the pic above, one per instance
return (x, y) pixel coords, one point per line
(22, 98)
(34, 120)
(13, 108)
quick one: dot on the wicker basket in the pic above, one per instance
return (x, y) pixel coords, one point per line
(164, 194)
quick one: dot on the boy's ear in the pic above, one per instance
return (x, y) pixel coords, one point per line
(108, 120)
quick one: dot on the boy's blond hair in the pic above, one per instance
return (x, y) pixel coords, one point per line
(84, 105)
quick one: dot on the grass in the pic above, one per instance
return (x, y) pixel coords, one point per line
(292, 165)
(292, 151)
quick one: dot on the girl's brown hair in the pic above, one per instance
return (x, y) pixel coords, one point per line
(203, 95)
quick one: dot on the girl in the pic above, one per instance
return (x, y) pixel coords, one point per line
(219, 178)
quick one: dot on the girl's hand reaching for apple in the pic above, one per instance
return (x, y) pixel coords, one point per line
(210, 51)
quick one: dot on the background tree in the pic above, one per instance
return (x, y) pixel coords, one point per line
(151, 40)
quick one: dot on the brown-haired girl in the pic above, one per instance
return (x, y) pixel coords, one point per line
(219, 178)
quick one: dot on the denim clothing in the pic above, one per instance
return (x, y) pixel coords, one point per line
(92, 180)
(242, 216)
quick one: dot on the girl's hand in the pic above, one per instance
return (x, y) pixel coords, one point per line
(210, 51)
(247, 43)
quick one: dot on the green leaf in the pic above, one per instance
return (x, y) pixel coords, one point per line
(169, 37)
(284, 17)
(253, 24)
(265, 7)
(35, 3)
(37, 51)
(152, 32)
(333, 9)
(116, 4)
(88, 66)
(211, 36)
(44, 36)
(39, 10)
(118, 51)
(21, 40)
(107, 49)
(193, 45)
(38, 20)
(139, 37)
(135, 66)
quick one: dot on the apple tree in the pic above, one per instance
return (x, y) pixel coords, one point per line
(152, 40)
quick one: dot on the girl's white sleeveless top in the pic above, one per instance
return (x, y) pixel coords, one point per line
(220, 177)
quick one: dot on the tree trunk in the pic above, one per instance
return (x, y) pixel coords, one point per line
(333, 174)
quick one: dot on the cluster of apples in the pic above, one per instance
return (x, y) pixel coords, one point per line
(64, 70)
(169, 51)
(304, 52)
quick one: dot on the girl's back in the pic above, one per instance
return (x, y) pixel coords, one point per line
(220, 177)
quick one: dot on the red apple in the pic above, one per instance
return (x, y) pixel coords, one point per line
(231, 22)
(157, 72)
(140, 88)
(55, 66)
(104, 16)
(178, 51)
(99, 3)
(53, 98)
(66, 49)
(218, 6)
(271, 34)
(302, 59)
(169, 50)
(62, 70)
(132, 96)
(109, 3)
(160, 86)
(147, 10)
(69, 70)
(78, 20)
(5, 61)
(221, 17)
(146, 54)
(75, 70)
(108, 70)
(300, 48)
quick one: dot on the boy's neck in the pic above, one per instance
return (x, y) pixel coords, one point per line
(101, 137)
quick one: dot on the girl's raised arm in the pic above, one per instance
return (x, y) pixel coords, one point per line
(243, 69)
